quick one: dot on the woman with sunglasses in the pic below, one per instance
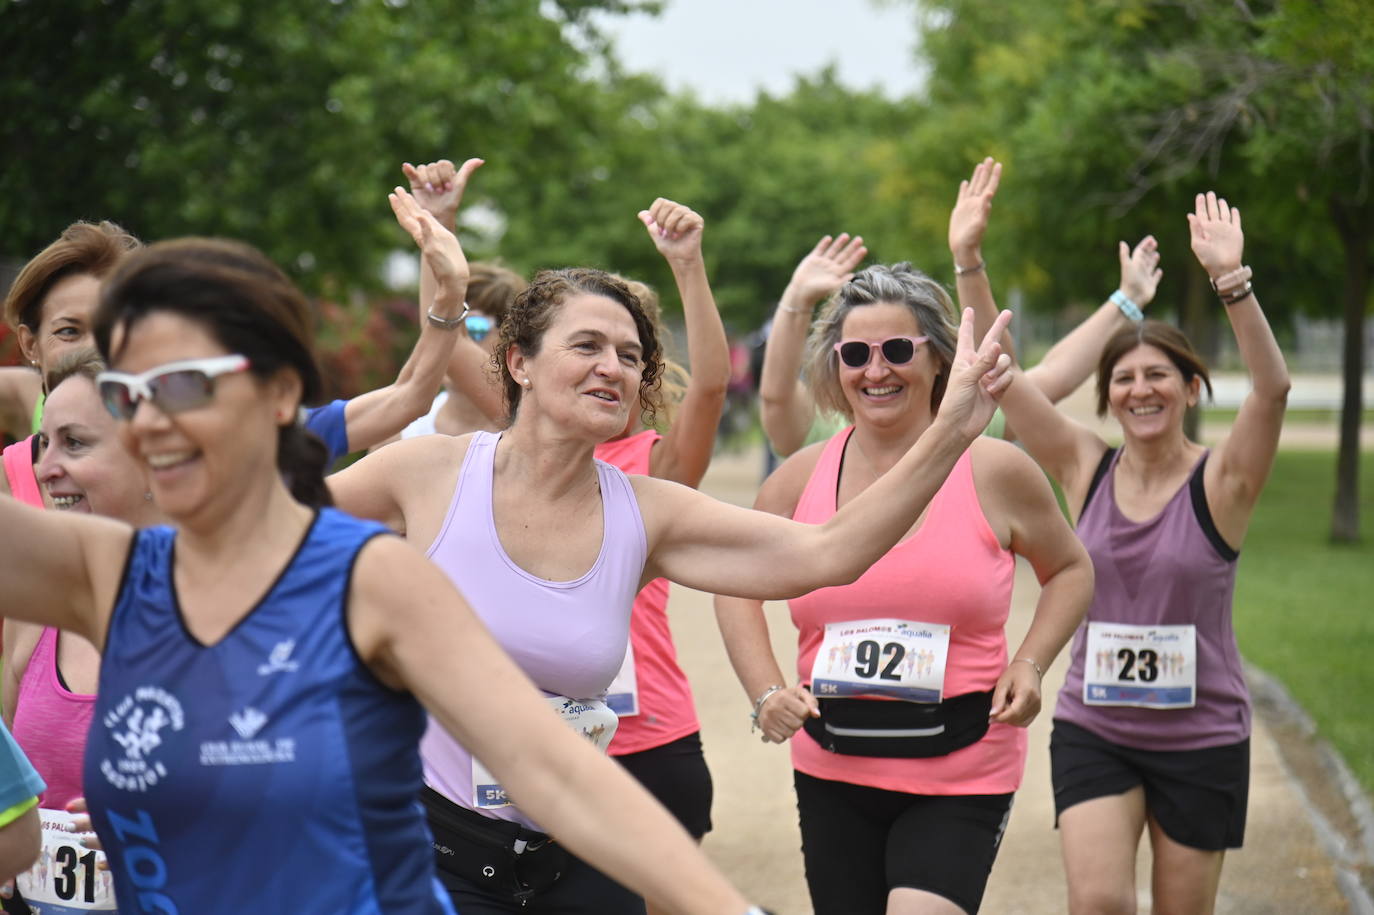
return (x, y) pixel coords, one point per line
(553, 545)
(786, 408)
(1152, 726)
(50, 676)
(258, 718)
(902, 803)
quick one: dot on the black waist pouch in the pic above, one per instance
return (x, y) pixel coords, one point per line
(497, 855)
(873, 727)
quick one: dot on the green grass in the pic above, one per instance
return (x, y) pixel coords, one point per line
(1304, 607)
(1295, 415)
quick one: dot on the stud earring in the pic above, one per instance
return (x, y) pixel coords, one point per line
(526, 382)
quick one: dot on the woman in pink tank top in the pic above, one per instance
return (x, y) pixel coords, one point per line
(904, 802)
(1152, 726)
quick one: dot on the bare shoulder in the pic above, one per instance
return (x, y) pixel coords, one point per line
(999, 463)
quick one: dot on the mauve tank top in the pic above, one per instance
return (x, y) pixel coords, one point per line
(952, 570)
(569, 637)
(50, 723)
(1172, 569)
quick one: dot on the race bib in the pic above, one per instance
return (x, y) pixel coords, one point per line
(896, 659)
(591, 718)
(1143, 666)
(66, 877)
(623, 696)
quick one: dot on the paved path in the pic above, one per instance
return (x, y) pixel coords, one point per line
(1281, 870)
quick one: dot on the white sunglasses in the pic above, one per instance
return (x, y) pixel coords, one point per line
(172, 388)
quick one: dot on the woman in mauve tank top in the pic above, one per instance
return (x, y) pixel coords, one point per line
(902, 803)
(1152, 725)
(579, 358)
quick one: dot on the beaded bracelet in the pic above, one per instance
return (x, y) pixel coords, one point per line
(1229, 281)
(1128, 308)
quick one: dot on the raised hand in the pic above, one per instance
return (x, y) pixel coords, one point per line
(1140, 271)
(969, 218)
(977, 378)
(828, 267)
(438, 186)
(675, 229)
(438, 246)
(1216, 236)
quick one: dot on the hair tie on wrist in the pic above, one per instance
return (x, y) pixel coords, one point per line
(1128, 308)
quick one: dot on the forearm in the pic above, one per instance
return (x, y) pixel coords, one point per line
(708, 349)
(470, 374)
(1064, 599)
(1070, 361)
(786, 408)
(745, 633)
(1259, 350)
(974, 290)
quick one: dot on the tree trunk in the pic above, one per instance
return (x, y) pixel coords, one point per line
(1345, 515)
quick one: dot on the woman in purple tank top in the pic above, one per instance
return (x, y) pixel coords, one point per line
(1152, 726)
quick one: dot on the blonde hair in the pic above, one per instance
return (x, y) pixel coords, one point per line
(675, 378)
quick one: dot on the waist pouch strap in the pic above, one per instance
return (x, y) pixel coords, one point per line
(497, 855)
(876, 727)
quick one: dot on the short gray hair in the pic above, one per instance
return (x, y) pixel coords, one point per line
(899, 284)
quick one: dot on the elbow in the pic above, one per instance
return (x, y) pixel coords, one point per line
(19, 844)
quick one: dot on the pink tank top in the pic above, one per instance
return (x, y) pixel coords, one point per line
(568, 637)
(666, 710)
(50, 724)
(952, 570)
(18, 459)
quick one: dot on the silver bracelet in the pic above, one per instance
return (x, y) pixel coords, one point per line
(965, 271)
(758, 706)
(447, 323)
(794, 311)
(1031, 661)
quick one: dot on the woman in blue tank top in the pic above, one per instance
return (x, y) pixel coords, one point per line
(255, 743)
(1152, 726)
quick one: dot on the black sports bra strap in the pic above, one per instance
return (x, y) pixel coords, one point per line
(1198, 491)
(1098, 474)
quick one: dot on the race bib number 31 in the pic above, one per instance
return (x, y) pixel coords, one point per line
(896, 659)
(591, 718)
(1142, 666)
(65, 878)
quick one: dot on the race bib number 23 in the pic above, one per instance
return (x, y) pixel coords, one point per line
(1142, 666)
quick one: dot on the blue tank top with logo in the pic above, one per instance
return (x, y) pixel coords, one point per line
(269, 772)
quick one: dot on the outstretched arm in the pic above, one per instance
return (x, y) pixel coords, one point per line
(785, 405)
(439, 188)
(685, 451)
(705, 544)
(61, 569)
(1070, 361)
(1244, 459)
(376, 416)
(427, 640)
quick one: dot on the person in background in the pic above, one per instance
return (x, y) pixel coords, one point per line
(20, 786)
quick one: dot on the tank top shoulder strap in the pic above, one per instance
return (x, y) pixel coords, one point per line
(817, 501)
(625, 525)
(1198, 492)
(19, 460)
(1099, 475)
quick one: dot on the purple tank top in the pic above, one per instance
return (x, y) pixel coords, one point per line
(1172, 569)
(569, 637)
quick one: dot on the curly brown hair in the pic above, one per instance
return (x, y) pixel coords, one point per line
(534, 310)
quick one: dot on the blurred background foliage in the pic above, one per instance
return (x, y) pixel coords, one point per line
(284, 122)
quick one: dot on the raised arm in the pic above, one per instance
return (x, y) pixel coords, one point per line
(685, 451)
(968, 222)
(61, 570)
(439, 188)
(376, 416)
(785, 405)
(1070, 361)
(19, 390)
(1234, 480)
(425, 638)
(705, 544)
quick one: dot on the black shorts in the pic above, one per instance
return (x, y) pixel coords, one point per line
(1198, 797)
(676, 775)
(859, 843)
(581, 889)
